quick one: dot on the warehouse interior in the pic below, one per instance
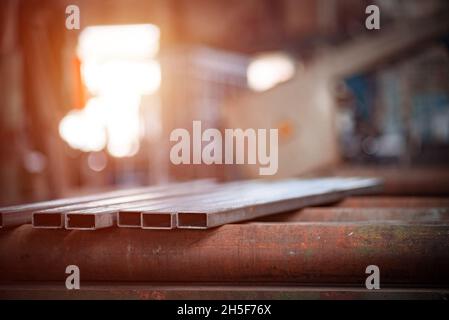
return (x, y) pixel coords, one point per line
(91, 110)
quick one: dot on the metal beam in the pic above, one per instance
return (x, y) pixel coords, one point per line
(244, 201)
(54, 218)
(126, 212)
(20, 214)
(142, 216)
(274, 198)
(159, 221)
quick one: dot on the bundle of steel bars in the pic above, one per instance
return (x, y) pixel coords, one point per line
(22, 214)
(198, 204)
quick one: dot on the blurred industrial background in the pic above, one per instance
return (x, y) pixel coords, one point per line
(92, 109)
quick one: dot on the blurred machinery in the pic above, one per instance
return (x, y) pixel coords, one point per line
(398, 114)
(305, 108)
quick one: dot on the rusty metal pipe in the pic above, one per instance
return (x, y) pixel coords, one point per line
(206, 291)
(305, 253)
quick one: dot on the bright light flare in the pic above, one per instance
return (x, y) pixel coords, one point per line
(82, 132)
(118, 68)
(113, 122)
(132, 77)
(138, 41)
(268, 70)
(123, 125)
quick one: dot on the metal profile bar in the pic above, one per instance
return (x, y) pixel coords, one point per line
(276, 198)
(161, 221)
(212, 217)
(54, 218)
(257, 199)
(47, 220)
(102, 217)
(83, 221)
(129, 219)
(150, 217)
(132, 218)
(93, 218)
(142, 216)
(21, 214)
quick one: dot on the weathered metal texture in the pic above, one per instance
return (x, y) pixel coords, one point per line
(21, 214)
(301, 253)
(374, 215)
(143, 291)
(395, 202)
